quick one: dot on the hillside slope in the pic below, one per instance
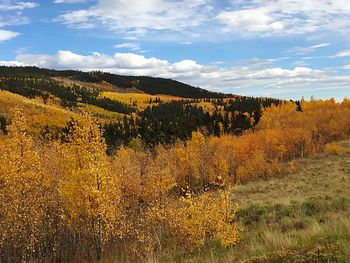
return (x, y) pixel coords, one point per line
(128, 108)
(146, 84)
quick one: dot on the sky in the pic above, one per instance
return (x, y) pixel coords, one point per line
(277, 48)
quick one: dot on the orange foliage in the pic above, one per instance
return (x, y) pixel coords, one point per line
(64, 200)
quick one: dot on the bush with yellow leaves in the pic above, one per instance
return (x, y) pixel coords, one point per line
(333, 148)
(198, 219)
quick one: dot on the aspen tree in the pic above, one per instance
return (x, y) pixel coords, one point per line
(89, 190)
(23, 189)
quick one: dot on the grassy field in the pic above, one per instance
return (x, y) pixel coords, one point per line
(302, 217)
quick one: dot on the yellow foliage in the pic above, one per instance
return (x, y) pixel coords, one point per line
(37, 113)
(333, 148)
(24, 186)
(90, 191)
(141, 99)
(56, 195)
(198, 219)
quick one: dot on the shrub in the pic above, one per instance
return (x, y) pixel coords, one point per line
(333, 148)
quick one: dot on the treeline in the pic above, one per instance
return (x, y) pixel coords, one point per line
(168, 123)
(70, 95)
(149, 85)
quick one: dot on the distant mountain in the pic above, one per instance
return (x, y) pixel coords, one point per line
(146, 84)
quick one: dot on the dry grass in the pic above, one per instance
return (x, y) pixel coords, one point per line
(322, 175)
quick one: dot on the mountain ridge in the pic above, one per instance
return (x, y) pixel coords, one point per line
(147, 84)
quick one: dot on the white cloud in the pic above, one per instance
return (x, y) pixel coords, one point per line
(130, 45)
(7, 35)
(342, 54)
(136, 18)
(320, 46)
(6, 5)
(286, 17)
(13, 20)
(194, 20)
(119, 62)
(12, 16)
(186, 43)
(313, 48)
(250, 20)
(244, 78)
(11, 63)
(69, 1)
(185, 66)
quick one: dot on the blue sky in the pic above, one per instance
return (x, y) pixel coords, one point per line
(277, 48)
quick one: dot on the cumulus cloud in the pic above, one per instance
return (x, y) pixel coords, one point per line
(127, 63)
(250, 20)
(286, 17)
(7, 35)
(10, 63)
(245, 78)
(185, 66)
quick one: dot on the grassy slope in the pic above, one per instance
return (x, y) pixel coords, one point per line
(39, 114)
(303, 217)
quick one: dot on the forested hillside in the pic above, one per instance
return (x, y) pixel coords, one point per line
(142, 118)
(149, 85)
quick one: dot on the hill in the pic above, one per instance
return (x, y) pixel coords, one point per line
(150, 110)
(148, 85)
